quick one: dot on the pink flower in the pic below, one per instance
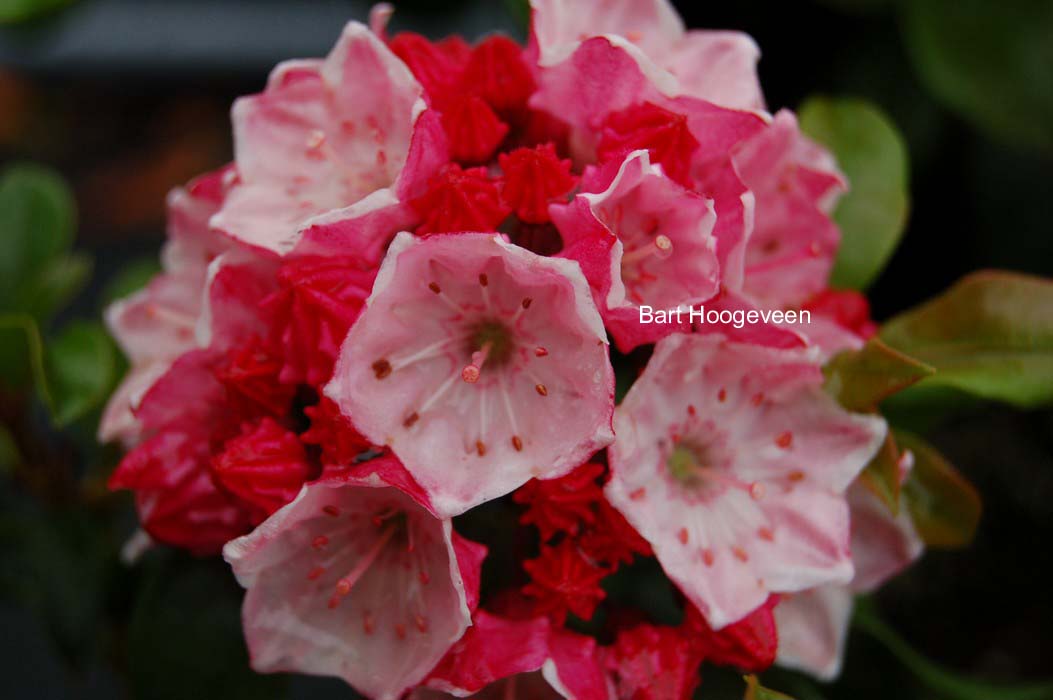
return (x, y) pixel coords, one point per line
(345, 133)
(732, 461)
(157, 324)
(502, 657)
(796, 184)
(356, 578)
(813, 624)
(480, 364)
(644, 240)
(717, 66)
(654, 662)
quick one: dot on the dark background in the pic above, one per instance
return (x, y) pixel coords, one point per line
(127, 98)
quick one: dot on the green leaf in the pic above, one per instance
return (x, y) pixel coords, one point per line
(12, 11)
(881, 475)
(873, 155)
(81, 364)
(185, 634)
(132, 277)
(74, 373)
(756, 691)
(942, 682)
(991, 334)
(991, 62)
(22, 353)
(861, 379)
(945, 507)
(37, 217)
(9, 456)
(57, 283)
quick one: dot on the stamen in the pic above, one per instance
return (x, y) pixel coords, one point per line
(540, 351)
(422, 623)
(483, 279)
(348, 581)
(517, 443)
(435, 288)
(541, 389)
(381, 368)
(661, 247)
(480, 448)
(331, 510)
(637, 494)
(527, 302)
(320, 542)
(471, 371)
(682, 535)
(315, 573)
(173, 316)
(411, 419)
(784, 440)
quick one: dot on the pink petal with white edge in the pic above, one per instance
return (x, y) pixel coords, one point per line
(663, 255)
(795, 183)
(813, 626)
(720, 67)
(353, 579)
(732, 462)
(322, 135)
(481, 364)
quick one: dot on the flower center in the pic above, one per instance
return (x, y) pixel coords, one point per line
(696, 467)
(493, 340)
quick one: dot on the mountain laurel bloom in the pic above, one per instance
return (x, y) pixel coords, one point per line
(389, 321)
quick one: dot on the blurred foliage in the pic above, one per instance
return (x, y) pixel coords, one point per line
(991, 334)
(40, 274)
(872, 154)
(944, 506)
(861, 379)
(756, 691)
(990, 61)
(12, 11)
(940, 682)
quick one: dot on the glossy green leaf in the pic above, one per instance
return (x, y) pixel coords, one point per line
(861, 379)
(37, 216)
(940, 681)
(991, 62)
(991, 334)
(756, 691)
(945, 507)
(81, 364)
(872, 153)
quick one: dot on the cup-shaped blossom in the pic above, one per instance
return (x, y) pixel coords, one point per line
(480, 364)
(355, 578)
(644, 241)
(732, 462)
(156, 325)
(813, 624)
(325, 135)
(718, 66)
(795, 183)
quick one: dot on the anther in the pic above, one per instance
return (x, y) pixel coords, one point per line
(541, 389)
(410, 420)
(517, 443)
(540, 351)
(381, 368)
(527, 302)
(435, 288)
(480, 448)
(483, 279)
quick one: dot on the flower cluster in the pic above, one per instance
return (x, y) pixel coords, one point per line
(394, 307)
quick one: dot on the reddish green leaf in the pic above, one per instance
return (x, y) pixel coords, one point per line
(991, 335)
(861, 379)
(881, 475)
(944, 505)
(756, 691)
